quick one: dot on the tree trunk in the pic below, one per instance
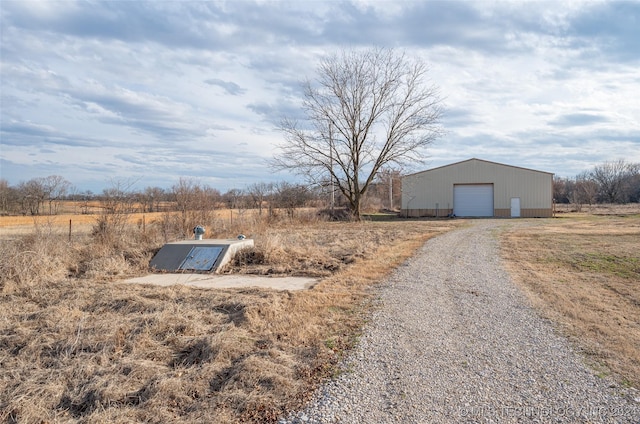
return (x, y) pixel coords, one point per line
(355, 207)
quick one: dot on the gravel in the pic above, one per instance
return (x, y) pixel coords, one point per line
(455, 341)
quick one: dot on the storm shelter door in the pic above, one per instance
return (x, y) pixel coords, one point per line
(201, 258)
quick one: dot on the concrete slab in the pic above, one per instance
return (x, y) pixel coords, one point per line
(211, 281)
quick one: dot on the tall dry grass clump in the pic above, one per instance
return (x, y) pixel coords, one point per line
(47, 255)
(33, 260)
(78, 345)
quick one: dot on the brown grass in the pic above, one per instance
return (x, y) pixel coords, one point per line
(223, 220)
(573, 210)
(78, 346)
(12, 227)
(583, 272)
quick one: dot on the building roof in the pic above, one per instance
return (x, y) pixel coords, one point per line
(480, 160)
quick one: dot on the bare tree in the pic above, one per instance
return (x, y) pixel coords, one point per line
(233, 198)
(85, 201)
(151, 198)
(259, 192)
(55, 188)
(585, 190)
(210, 199)
(8, 197)
(116, 202)
(613, 179)
(365, 110)
(195, 203)
(563, 189)
(32, 195)
(291, 196)
(634, 185)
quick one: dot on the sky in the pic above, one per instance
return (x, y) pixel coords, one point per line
(107, 92)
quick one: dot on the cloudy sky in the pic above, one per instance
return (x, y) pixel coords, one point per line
(153, 91)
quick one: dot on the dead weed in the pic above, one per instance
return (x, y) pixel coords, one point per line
(77, 346)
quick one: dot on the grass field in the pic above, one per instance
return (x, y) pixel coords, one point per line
(77, 345)
(583, 272)
(13, 226)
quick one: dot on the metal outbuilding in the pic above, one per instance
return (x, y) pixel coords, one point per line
(478, 188)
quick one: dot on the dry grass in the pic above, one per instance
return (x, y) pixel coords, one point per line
(12, 227)
(223, 220)
(78, 346)
(583, 272)
(573, 210)
(29, 222)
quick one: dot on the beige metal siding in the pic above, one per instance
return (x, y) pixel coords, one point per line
(433, 189)
(524, 213)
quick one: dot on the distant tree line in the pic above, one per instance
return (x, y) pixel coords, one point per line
(34, 197)
(610, 182)
(45, 196)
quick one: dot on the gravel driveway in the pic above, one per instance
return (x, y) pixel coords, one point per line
(454, 341)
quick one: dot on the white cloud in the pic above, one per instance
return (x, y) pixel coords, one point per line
(164, 89)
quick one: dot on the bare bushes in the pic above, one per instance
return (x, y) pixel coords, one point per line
(312, 250)
(277, 252)
(33, 260)
(177, 226)
(228, 223)
(48, 257)
(106, 261)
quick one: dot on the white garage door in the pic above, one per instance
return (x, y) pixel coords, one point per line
(473, 199)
